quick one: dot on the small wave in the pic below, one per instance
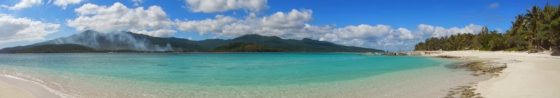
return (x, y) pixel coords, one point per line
(39, 83)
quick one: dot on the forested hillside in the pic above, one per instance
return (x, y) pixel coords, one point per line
(93, 41)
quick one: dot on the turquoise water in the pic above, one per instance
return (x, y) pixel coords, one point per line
(222, 68)
(242, 72)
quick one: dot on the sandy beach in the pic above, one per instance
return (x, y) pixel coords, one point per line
(13, 87)
(526, 76)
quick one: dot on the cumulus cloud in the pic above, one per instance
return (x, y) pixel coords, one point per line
(295, 25)
(389, 38)
(152, 21)
(438, 31)
(207, 25)
(23, 4)
(277, 24)
(374, 36)
(211, 6)
(290, 25)
(64, 3)
(30, 3)
(15, 29)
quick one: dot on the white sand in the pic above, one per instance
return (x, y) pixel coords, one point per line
(12, 87)
(526, 76)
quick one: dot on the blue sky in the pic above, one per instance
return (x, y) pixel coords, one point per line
(366, 23)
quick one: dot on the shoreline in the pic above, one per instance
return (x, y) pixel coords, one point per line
(526, 76)
(17, 87)
(41, 90)
(360, 88)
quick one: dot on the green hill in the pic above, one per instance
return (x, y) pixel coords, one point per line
(92, 41)
(50, 48)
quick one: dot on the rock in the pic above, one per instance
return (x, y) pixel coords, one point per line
(463, 92)
(482, 67)
(448, 57)
(533, 51)
(394, 54)
(555, 52)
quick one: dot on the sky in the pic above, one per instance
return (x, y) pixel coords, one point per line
(395, 25)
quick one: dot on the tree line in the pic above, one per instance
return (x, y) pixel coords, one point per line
(538, 29)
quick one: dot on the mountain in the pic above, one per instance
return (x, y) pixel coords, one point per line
(49, 48)
(92, 41)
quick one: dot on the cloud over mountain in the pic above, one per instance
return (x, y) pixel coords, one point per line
(152, 21)
(285, 24)
(14, 29)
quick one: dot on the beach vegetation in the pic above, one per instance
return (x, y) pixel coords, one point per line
(536, 30)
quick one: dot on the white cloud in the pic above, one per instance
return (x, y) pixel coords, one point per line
(64, 3)
(207, 25)
(30, 3)
(437, 31)
(291, 24)
(404, 33)
(116, 18)
(23, 29)
(363, 31)
(211, 6)
(377, 36)
(287, 25)
(23, 4)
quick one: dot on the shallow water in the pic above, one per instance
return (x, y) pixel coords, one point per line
(235, 75)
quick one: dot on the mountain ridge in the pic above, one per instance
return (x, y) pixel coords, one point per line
(92, 41)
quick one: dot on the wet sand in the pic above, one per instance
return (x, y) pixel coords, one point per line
(13, 87)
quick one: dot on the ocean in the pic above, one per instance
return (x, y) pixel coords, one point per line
(237, 75)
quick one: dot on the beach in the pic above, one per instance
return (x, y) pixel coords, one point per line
(526, 75)
(304, 75)
(532, 75)
(13, 87)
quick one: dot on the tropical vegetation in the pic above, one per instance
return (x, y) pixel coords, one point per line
(536, 30)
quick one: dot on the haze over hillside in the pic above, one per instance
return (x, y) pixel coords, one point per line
(92, 41)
